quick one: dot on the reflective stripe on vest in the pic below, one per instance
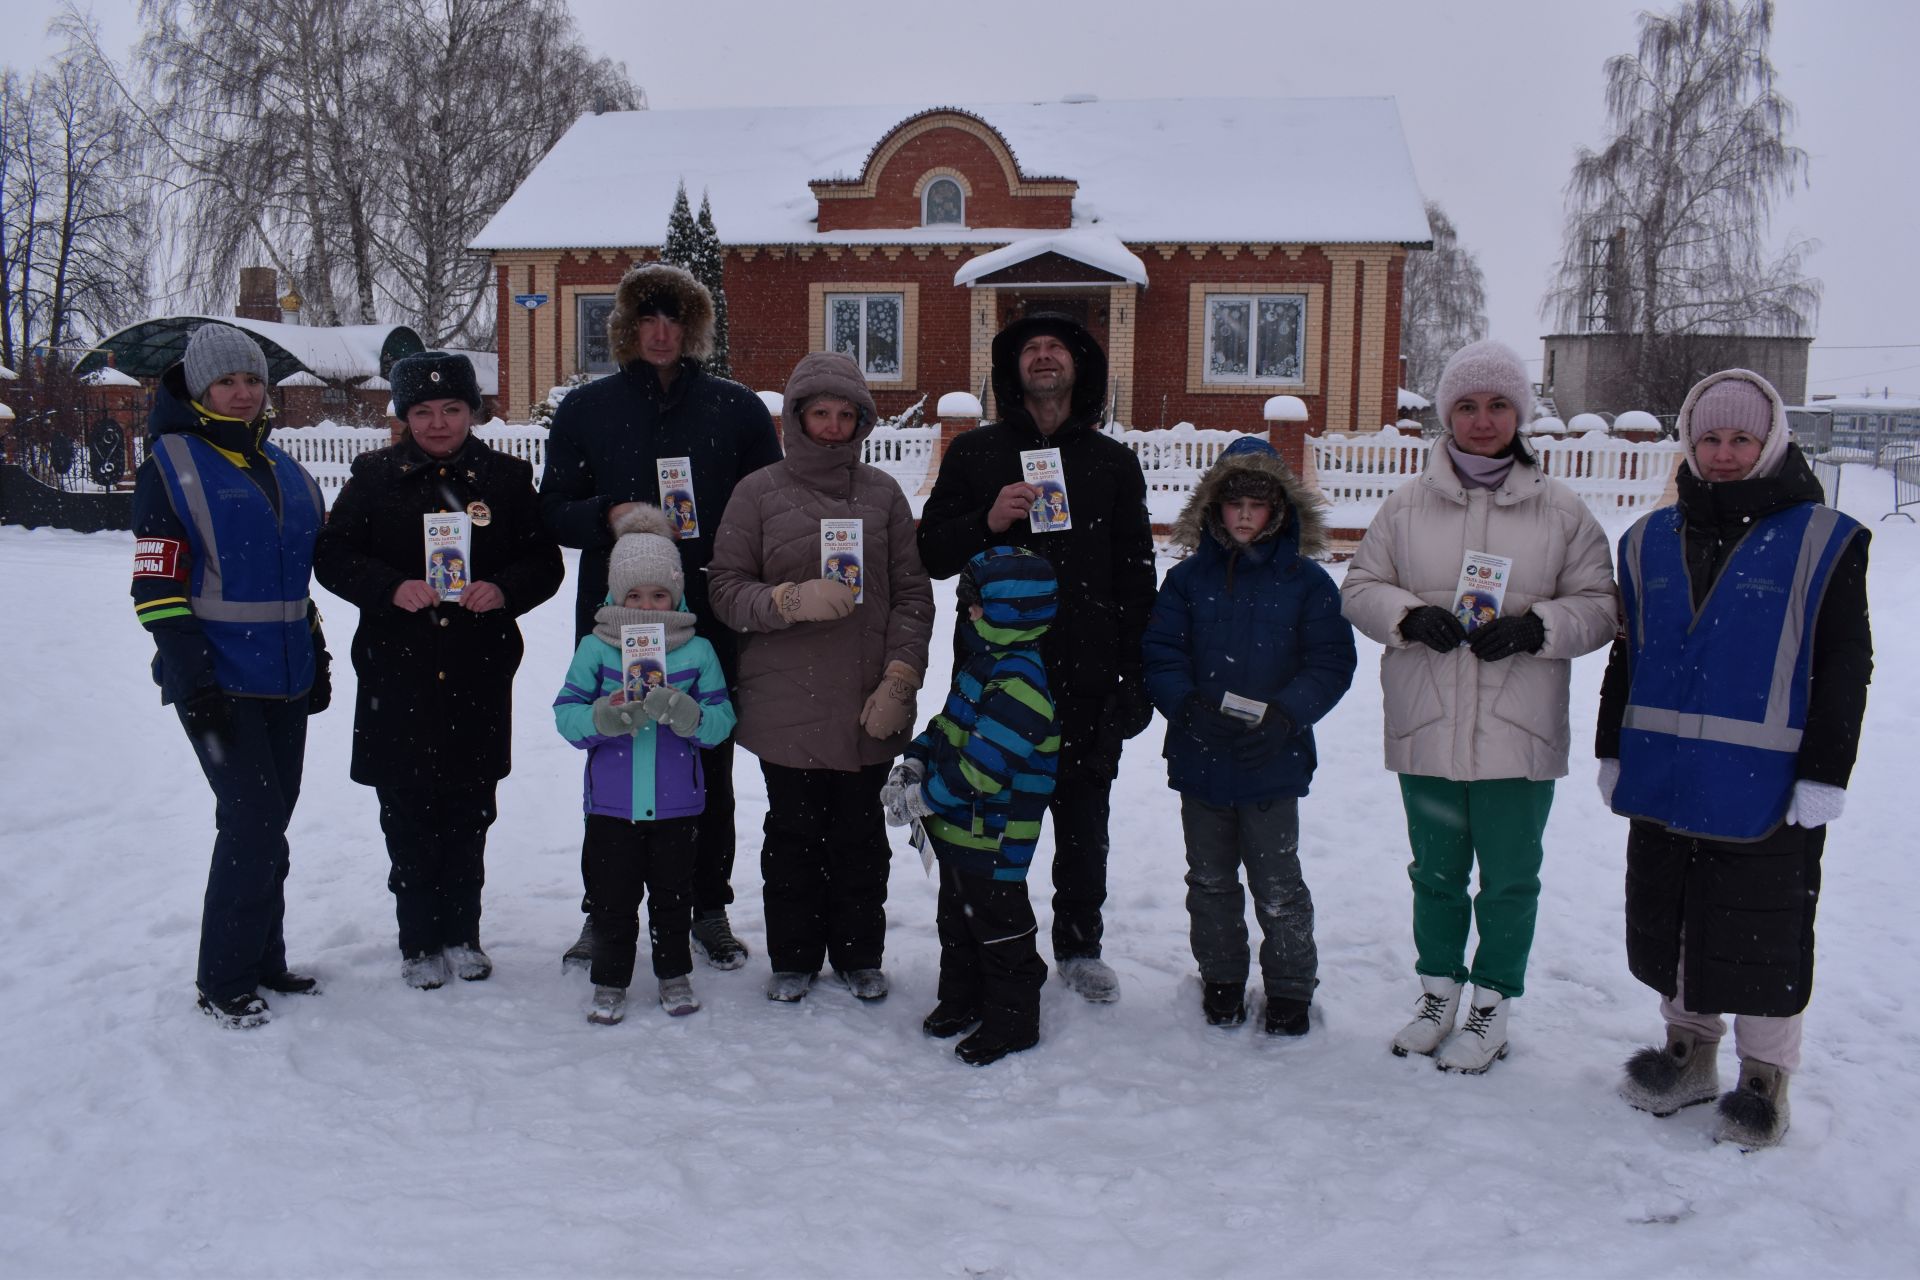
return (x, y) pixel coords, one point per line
(251, 567)
(1719, 694)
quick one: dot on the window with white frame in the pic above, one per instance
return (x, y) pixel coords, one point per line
(867, 326)
(593, 354)
(943, 203)
(1256, 337)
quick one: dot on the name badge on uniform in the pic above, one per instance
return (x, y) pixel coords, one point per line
(480, 513)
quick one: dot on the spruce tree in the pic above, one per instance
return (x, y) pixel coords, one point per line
(710, 271)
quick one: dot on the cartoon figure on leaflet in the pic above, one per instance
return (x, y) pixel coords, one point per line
(645, 675)
(1053, 506)
(1475, 610)
(844, 568)
(446, 571)
(680, 508)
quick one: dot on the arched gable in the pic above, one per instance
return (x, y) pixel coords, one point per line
(943, 142)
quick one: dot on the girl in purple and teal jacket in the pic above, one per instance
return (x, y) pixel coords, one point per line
(644, 784)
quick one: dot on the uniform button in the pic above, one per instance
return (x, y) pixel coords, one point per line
(443, 622)
(440, 675)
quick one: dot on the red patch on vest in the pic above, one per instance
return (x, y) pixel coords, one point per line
(159, 558)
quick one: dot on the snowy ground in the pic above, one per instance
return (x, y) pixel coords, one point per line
(488, 1130)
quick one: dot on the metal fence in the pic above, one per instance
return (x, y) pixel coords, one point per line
(1906, 483)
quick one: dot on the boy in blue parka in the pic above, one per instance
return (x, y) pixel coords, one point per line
(644, 784)
(1246, 648)
(979, 779)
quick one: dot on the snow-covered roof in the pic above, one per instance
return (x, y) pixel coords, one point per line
(1292, 170)
(1413, 400)
(1101, 250)
(1869, 404)
(335, 353)
(374, 384)
(109, 377)
(301, 379)
(8, 374)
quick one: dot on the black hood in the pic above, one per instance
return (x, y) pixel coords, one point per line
(1089, 367)
(1735, 502)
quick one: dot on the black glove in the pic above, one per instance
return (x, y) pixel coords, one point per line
(1202, 717)
(1504, 637)
(207, 712)
(320, 694)
(1263, 742)
(1433, 627)
(1127, 712)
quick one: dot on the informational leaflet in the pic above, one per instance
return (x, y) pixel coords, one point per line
(643, 658)
(1042, 469)
(676, 496)
(1482, 589)
(917, 837)
(1243, 708)
(842, 553)
(449, 553)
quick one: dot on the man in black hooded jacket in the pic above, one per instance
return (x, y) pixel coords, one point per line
(1049, 386)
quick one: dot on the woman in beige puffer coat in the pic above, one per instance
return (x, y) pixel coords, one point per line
(1476, 726)
(826, 688)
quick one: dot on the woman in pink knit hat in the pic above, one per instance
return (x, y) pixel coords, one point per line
(1476, 710)
(1729, 719)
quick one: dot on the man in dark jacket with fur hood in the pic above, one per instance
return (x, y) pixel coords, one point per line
(1049, 386)
(662, 430)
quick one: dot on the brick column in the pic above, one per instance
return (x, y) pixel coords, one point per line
(1123, 305)
(1340, 344)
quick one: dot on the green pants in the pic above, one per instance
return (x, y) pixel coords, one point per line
(1450, 825)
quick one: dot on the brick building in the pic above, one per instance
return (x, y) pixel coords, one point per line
(1223, 250)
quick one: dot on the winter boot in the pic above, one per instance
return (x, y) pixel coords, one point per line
(1002, 1032)
(1286, 1017)
(288, 983)
(1662, 1081)
(1224, 1003)
(580, 954)
(789, 987)
(609, 1006)
(237, 1013)
(714, 936)
(425, 972)
(1432, 1017)
(677, 998)
(1755, 1115)
(1092, 978)
(866, 984)
(469, 963)
(949, 1018)
(1481, 1041)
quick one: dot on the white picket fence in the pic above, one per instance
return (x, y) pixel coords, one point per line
(1607, 474)
(1174, 459)
(328, 450)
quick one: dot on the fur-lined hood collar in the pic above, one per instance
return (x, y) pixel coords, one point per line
(657, 285)
(1304, 521)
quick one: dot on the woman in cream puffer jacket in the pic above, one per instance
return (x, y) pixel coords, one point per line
(1477, 728)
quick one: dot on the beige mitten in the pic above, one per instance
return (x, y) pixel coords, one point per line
(889, 709)
(815, 600)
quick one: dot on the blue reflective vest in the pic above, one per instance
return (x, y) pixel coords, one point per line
(1718, 700)
(251, 566)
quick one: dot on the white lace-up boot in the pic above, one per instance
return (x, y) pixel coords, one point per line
(1481, 1040)
(1432, 1017)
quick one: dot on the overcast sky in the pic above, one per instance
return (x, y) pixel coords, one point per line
(1495, 95)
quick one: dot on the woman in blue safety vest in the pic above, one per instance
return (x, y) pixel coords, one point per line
(1729, 720)
(224, 525)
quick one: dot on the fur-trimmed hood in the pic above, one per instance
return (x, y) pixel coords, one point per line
(1253, 461)
(657, 286)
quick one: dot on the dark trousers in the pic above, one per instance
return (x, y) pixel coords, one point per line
(628, 861)
(824, 868)
(1265, 838)
(713, 857)
(253, 766)
(988, 960)
(437, 842)
(713, 864)
(1080, 809)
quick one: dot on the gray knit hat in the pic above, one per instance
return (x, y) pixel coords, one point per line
(1732, 404)
(216, 350)
(1485, 368)
(644, 556)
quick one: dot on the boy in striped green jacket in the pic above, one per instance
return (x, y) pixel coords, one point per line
(979, 779)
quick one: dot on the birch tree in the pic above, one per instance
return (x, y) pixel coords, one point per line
(1666, 234)
(1443, 303)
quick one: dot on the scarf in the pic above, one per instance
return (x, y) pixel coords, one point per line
(1476, 472)
(608, 620)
